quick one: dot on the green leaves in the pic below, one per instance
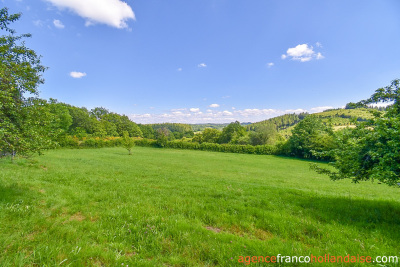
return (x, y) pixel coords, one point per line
(371, 151)
(24, 122)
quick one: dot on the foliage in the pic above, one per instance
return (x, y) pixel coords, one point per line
(279, 123)
(175, 130)
(147, 131)
(371, 151)
(209, 135)
(264, 134)
(128, 142)
(309, 136)
(23, 125)
(162, 135)
(231, 133)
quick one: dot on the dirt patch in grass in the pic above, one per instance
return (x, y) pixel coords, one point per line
(43, 167)
(77, 217)
(263, 235)
(214, 229)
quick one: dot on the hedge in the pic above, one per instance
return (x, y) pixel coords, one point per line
(74, 142)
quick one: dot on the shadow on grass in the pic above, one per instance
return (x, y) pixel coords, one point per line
(11, 193)
(366, 215)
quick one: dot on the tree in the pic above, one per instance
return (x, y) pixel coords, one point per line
(264, 134)
(128, 142)
(309, 136)
(371, 151)
(232, 132)
(99, 112)
(210, 135)
(20, 74)
(162, 135)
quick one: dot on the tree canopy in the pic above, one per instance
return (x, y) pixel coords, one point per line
(371, 151)
(24, 119)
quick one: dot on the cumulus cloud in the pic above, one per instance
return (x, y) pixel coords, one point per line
(202, 65)
(302, 53)
(58, 24)
(271, 64)
(77, 74)
(215, 116)
(114, 13)
(194, 110)
(214, 106)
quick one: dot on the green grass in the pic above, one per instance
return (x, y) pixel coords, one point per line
(184, 208)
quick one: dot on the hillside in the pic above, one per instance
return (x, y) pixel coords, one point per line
(339, 118)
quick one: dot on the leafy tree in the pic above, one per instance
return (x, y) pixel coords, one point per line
(147, 130)
(99, 112)
(162, 136)
(231, 133)
(371, 151)
(123, 123)
(210, 135)
(20, 75)
(264, 134)
(128, 142)
(309, 136)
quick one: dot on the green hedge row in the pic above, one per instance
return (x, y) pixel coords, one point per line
(245, 149)
(73, 142)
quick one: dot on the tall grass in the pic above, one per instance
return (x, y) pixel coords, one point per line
(102, 207)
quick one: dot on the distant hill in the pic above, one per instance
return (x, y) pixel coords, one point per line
(343, 117)
(280, 123)
(219, 126)
(339, 118)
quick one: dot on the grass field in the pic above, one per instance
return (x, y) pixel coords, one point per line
(164, 207)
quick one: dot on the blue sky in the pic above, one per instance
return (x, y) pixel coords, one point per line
(212, 60)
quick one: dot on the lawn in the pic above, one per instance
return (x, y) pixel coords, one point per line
(165, 207)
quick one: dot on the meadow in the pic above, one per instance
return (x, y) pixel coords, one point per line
(169, 207)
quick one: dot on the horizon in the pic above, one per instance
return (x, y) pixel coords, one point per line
(211, 62)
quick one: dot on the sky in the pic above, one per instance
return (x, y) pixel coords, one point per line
(212, 61)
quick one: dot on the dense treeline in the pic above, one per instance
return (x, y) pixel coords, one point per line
(171, 131)
(97, 122)
(280, 122)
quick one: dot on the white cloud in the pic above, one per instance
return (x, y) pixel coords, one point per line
(302, 53)
(77, 74)
(194, 110)
(215, 116)
(319, 109)
(318, 44)
(202, 65)
(271, 64)
(58, 24)
(179, 69)
(38, 23)
(114, 13)
(214, 106)
(319, 56)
